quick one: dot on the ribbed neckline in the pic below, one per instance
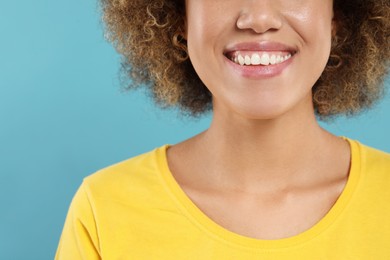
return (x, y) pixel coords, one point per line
(224, 235)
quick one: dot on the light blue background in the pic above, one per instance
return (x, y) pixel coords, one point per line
(63, 116)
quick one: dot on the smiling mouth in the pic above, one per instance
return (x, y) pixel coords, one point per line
(259, 58)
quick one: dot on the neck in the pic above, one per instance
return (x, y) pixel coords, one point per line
(249, 155)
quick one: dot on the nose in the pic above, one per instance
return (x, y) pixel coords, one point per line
(259, 16)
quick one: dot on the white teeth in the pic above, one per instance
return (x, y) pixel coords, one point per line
(272, 60)
(265, 59)
(256, 59)
(247, 60)
(241, 60)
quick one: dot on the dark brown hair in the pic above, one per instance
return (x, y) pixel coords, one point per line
(148, 35)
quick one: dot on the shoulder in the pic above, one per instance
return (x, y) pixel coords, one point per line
(370, 183)
(373, 167)
(131, 176)
(374, 160)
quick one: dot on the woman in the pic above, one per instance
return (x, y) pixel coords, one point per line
(265, 181)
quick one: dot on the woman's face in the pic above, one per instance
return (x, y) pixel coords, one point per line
(259, 58)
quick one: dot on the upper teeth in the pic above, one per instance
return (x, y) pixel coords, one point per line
(257, 59)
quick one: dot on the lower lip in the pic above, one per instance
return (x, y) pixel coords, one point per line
(259, 71)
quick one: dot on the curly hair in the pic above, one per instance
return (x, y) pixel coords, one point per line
(148, 35)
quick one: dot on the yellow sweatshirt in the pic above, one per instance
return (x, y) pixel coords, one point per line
(136, 210)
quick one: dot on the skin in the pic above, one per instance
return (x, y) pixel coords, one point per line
(264, 159)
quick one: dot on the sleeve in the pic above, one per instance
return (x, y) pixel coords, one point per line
(79, 239)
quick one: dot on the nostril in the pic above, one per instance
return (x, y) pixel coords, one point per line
(259, 21)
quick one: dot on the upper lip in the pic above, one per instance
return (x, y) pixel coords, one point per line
(260, 46)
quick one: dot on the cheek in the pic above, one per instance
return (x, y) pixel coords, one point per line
(202, 19)
(204, 28)
(313, 25)
(313, 20)
(208, 20)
